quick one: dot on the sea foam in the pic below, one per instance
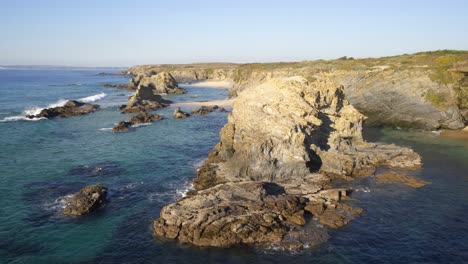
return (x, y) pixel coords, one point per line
(92, 98)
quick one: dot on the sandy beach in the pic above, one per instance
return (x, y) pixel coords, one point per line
(223, 103)
(211, 84)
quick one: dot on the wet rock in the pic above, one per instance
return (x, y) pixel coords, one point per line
(119, 86)
(204, 110)
(71, 108)
(122, 126)
(338, 215)
(179, 114)
(87, 200)
(144, 117)
(393, 177)
(235, 213)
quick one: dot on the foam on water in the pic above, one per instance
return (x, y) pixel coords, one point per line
(58, 204)
(33, 110)
(92, 98)
(142, 124)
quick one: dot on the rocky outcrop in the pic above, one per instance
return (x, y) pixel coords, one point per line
(393, 177)
(87, 200)
(285, 144)
(179, 114)
(71, 108)
(122, 126)
(160, 83)
(206, 109)
(144, 99)
(140, 118)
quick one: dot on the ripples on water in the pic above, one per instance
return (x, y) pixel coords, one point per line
(43, 162)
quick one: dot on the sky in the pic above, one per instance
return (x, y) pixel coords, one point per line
(132, 32)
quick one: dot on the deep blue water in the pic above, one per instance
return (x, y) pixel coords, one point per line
(41, 161)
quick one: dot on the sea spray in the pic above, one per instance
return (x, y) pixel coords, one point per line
(92, 98)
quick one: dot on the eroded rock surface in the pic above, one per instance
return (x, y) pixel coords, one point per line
(160, 83)
(71, 108)
(179, 114)
(272, 173)
(400, 178)
(87, 200)
(205, 109)
(144, 99)
(140, 118)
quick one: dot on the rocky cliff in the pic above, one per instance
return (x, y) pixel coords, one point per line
(427, 90)
(286, 143)
(159, 83)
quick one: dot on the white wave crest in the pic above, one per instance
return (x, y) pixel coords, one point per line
(33, 110)
(92, 98)
(105, 129)
(142, 124)
(20, 118)
(58, 204)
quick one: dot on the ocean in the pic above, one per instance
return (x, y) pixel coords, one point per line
(43, 161)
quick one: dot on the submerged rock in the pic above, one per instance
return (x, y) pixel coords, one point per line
(71, 108)
(122, 126)
(87, 200)
(107, 168)
(120, 86)
(392, 177)
(179, 114)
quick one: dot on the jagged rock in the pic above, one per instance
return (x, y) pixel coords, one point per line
(289, 128)
(71, 108)
(235, 213)
(144, 99)
(285, 142)
(144, 117)
(179, 114)
(393, 177)
(204, 110)
(122, 126)
(86, 200)
(160, 83)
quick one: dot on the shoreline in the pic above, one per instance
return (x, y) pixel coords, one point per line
(223, 103)
(210, 84)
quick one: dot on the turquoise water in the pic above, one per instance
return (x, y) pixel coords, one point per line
(145, 169)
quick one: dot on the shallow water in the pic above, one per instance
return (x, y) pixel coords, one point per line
(145, 169)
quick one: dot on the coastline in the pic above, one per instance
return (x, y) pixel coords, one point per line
(210, 84)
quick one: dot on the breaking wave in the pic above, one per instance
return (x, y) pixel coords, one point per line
(92, 98)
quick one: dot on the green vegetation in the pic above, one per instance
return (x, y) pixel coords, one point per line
(436, 99)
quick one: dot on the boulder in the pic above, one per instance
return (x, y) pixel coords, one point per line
(87, 200)
(71, 108)
(179, 114)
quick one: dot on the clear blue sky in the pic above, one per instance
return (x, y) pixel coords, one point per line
(129, 32)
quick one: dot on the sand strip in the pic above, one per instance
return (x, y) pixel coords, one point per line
(223, 103)
(210, 84)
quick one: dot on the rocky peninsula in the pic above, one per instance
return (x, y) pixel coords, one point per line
(271, 180)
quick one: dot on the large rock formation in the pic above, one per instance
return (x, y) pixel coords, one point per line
(140, 118)
(161, 83)
(144, 99)
(285, 143)
(71, 108)
(87, 200)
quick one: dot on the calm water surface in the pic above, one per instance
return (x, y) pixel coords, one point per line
(41, 161)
